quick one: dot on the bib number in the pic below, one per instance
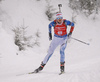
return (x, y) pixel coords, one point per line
(59, 32)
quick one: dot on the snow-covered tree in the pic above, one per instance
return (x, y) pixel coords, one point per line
(22, 40)
(86, 6)
(50, 11)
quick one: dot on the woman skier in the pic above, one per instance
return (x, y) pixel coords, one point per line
(60, 38)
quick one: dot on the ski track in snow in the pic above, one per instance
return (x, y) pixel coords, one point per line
(75, 72)
(44, 77)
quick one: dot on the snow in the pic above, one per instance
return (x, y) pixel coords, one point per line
(82, 61)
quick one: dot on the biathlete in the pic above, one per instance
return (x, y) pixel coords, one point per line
(60, 38)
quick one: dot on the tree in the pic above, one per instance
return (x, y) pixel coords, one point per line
(22, 40)
(86, 6)
(49, 11)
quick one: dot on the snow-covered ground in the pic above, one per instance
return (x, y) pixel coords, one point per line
(82, 61)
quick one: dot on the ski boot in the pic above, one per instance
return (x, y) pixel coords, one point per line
(62, 67)
(40, 68)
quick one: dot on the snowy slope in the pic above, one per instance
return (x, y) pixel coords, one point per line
(82, 61)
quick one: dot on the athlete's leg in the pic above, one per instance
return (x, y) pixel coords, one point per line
(62, 49)
(62, 54)
(52, 47)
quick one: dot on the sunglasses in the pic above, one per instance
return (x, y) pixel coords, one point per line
(59, 18)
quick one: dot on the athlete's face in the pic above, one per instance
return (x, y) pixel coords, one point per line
(59, 20)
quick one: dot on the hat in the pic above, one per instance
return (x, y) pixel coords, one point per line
(59, 15)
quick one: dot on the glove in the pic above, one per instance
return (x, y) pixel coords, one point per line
(50, 36)
(69, 35)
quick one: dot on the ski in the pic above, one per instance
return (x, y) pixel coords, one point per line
(31, 72)
(22, 74)
(35, 71)
(61, 73)
(26, 73)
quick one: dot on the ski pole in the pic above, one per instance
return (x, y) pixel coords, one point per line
(80, 41)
